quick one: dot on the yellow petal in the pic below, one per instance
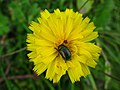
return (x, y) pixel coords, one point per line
(88, 30)
(85, 70)
(46, 51)
(70, 73)
(46, 31)
(90, 62)
(54, 26)
(75, 31)
(69, 27)
(35, 27)
(47, 34)
(32, 55)
(76, 36)
(51, 70)
(69, 12)
(31, 38)
(93, 49)
(45, 14)
(95, 56)
(75, 72)
(90, 37)
(57, 12)
(31, 47)
(56, 78)
(46, 59)
(70, 64)
(84, 24)
(81, 58)
(56, 69)
(40, 68)
(61, 66)
(41, 30)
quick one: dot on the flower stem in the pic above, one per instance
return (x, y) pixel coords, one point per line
(72, 87)
(91, 79)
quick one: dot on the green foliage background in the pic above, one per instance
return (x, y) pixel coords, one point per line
(16, 70)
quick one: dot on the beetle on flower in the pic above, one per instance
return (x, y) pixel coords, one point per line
(60, 43)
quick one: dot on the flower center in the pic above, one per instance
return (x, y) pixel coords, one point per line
(64, 52)
(65, 41)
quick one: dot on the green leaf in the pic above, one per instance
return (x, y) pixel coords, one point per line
(103, 13)
(87, 5)
(92, 82)
(109, 51)
(33, 11)
(17, 12)
(6, 80)
(4, 28)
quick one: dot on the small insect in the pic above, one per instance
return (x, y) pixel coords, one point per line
(64, 52)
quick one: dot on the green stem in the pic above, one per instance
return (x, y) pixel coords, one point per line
(91, 79)
(72, 87)
(12, 53)
(83, 5)
(6, 81)
(113, 77)
(47, 83)
(59, 86)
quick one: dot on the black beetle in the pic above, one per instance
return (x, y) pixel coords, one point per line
(64, 52)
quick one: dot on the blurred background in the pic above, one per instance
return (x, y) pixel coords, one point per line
(15, 69)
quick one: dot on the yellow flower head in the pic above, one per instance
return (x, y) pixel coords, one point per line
(60, 44)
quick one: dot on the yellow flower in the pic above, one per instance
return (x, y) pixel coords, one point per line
(60, 44)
